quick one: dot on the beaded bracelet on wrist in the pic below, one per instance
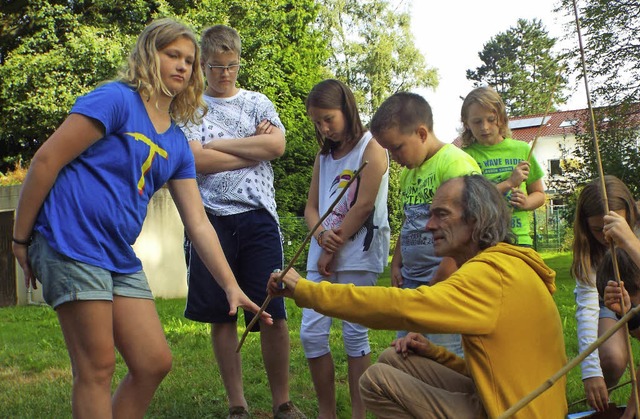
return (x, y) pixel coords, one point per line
(320, 237)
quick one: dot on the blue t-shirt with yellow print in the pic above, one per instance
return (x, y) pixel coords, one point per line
(97, 205)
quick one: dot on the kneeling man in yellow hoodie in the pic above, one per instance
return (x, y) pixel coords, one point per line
(499, 300)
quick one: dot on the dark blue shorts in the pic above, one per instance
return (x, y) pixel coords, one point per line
(253, 247)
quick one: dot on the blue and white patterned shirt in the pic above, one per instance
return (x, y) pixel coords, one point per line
(241, 190)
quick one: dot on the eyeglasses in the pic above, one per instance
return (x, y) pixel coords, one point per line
(231, 68)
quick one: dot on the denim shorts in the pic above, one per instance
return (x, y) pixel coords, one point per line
(64, 279)
(606, 313)
(253, 247)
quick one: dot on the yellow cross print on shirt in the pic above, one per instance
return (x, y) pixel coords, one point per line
(153, 150)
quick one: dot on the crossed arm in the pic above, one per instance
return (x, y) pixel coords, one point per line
(221, 155)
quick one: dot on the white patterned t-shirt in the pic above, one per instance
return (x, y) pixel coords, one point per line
(240, 190)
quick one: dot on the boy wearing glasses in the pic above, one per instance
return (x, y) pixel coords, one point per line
(240, 134)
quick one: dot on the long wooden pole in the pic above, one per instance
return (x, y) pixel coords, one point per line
(546, 113)
(575, 361)
(299, 251)
(547, 384)
(603, 185)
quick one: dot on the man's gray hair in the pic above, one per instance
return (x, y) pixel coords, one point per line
(483, 204)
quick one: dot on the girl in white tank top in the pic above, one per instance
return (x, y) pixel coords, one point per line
(352, 245)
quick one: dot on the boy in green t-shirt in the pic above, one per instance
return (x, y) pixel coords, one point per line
(403, 124)
(503, 160)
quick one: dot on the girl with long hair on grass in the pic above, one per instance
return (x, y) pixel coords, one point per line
(603, 368)
(352, 245)
(82, 206)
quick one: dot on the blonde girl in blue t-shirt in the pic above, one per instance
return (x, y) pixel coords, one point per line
(82, 206)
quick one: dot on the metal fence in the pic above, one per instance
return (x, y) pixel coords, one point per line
(552, 232)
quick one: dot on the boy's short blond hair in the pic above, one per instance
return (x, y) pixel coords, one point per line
(220, 39)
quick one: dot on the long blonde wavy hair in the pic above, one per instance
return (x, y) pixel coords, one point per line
(143, 70)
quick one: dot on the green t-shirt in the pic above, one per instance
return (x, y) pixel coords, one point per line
(497, 163)
(417, 187)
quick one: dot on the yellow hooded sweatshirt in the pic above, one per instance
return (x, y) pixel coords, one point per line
(499, 300)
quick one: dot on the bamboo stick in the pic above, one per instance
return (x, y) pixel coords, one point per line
(609, 390)
(575, 361)
(612, 249)
(299, 251)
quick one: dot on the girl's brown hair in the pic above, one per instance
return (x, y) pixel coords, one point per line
(587, 250)
(333, 94)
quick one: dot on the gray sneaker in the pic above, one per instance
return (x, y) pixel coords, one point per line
(288, 411)
(238, 412)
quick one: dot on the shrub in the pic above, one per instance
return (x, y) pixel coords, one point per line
(14, 177)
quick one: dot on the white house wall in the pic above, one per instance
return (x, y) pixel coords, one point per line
(549, 148)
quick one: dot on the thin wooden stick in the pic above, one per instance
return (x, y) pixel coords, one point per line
(593, 346)
(546, 113)
(609, 390)
(299, 251)
(575, 361)
(612, 249)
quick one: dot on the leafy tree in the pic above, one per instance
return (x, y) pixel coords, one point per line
(612, 56)
(372, 50)
(53, 51)
(522, 67)
(612, 51)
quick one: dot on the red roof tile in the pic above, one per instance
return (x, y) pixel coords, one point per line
(551, 128)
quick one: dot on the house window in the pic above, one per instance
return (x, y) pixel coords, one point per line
(555, 167)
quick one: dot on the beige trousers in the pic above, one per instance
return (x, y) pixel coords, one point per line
(417, 387)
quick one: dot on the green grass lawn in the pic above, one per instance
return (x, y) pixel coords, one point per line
(35, 376)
